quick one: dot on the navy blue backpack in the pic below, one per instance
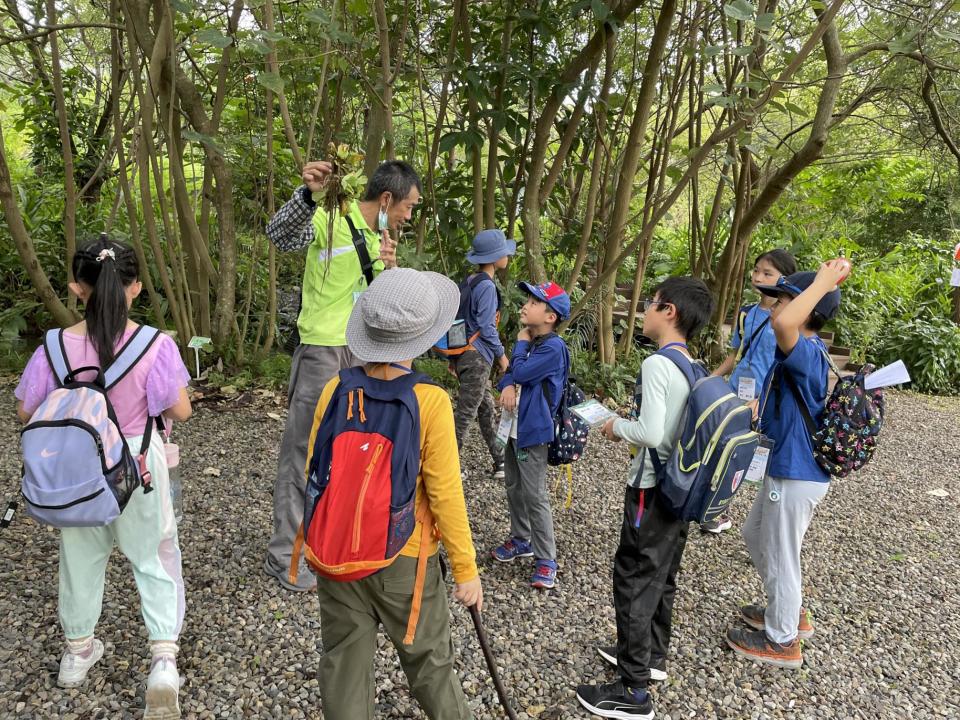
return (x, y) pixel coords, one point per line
(717, 442)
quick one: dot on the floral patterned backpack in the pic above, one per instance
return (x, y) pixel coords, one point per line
(849, 429)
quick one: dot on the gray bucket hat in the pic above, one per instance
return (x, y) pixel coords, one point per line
(401, 315)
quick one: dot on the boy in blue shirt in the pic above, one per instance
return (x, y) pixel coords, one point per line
(794, 484)
(491, 251)
(532, 388)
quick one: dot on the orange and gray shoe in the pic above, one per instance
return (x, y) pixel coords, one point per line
(755, 644)
(752, 615)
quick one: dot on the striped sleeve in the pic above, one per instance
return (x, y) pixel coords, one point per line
(291, 228)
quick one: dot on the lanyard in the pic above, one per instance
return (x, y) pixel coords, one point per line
(676, 344)
(404, 368)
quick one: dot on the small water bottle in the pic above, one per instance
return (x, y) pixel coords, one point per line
(172, 451)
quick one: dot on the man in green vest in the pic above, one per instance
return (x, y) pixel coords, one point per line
(337, 271)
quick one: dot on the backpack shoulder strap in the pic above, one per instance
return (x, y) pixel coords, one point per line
(360, 245)
(130, 354)
(56, 355)
(801, 403)
(683, 363)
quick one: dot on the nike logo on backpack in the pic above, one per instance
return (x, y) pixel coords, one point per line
(47, 454)
(365, 447)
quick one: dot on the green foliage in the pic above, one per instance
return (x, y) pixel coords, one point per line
(930, 348)
(437, 370)
(271, 371)
(608, 381)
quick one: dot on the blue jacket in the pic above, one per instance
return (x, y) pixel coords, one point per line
(481, 316)
(532, 366)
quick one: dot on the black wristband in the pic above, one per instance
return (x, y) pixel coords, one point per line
(307, 195)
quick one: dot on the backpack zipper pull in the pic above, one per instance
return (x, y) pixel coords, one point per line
(363, 417)
(350, 405)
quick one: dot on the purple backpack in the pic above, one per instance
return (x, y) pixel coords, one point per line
(77, 468)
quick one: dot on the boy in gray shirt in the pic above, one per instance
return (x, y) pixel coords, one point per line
(652, 539)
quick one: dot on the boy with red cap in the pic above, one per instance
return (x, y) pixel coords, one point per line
(532, 388)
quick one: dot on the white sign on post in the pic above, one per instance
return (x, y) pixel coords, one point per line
(197, 342)
(955, 277)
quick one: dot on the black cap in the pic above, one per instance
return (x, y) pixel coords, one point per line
(795, 284)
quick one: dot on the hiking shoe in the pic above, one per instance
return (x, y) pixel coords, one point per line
(544, 575)
(511, 550)
(717, 525)
(616, 700)
(752, 615)
(74, 666)
(609, 653)
(755, 644)
(498, 471)
(163, 689)
(284, 580)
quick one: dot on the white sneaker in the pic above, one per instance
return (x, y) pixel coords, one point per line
(163, 689)
(73, 668)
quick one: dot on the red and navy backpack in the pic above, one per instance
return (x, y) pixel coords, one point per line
(359, 508)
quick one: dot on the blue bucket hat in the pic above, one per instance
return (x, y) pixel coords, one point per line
(552, 294)
(795, 284)
(489, 246)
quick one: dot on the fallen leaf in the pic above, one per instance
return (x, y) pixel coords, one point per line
(274, 416)
(939, 492)
(215, 472)
(228, 390)
(534, 710)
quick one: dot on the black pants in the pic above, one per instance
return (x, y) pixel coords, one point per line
(644, 584)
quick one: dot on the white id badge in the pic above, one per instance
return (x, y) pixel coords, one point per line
(747, 388)
(758, 465)
(503, 430)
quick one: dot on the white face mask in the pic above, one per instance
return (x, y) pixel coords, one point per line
(382, 222)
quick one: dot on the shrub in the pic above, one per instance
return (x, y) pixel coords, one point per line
(929, 347)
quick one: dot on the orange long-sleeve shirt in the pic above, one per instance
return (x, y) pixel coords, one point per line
(439, 478)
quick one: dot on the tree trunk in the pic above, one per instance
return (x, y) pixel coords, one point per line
(28, 254)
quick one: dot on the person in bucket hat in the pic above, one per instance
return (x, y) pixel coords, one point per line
(478, 317)
(400, 316)
(532, 388)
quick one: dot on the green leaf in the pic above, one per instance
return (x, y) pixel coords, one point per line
(194, 136)
(182, 6)
(259, 46)
(272, 36)
(740, 10)
(796, 109)
(600, 10)
(764, 21)
(743, 50)
(450, 141)
(318, 16)
(713, 50)
(212, 36)
(271, 81)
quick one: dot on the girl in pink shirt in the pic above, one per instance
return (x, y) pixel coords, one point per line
(107, 283)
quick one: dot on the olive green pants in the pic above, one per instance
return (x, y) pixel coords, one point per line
(350, 615)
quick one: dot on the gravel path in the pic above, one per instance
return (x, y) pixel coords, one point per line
(880, 577)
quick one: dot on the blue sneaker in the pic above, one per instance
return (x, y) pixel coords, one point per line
(544, 575)
(511, 550)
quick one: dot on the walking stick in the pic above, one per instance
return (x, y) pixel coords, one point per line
(491, 664)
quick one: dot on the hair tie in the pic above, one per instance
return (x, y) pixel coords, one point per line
(106, 253)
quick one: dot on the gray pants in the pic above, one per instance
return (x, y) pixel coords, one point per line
(774, 533)
(312, 368)
(528, 498)
(475, 400)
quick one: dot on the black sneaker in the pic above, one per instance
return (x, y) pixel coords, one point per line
(615, 700)
(609, 653)
(498, 472)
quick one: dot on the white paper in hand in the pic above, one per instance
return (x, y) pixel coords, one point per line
(892, 374)
(593, 413)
